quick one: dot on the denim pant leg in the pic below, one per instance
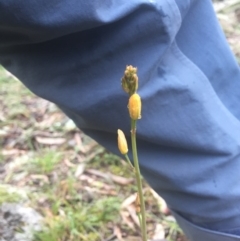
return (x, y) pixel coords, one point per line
(74, 54)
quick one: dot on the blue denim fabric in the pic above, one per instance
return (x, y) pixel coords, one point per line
(196, 233)
(73, 53)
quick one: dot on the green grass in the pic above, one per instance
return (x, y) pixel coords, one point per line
(79, 220)
(9, 196)
(44, 162)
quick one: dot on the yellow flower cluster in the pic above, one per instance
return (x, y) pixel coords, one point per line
(130, 85)
(130, 80)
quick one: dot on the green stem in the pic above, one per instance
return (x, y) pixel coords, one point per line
(140, 219)
(129, 162)
(138, 178)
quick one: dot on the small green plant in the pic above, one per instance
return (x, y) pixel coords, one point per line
(173, 229)
(45, 162)
(8, 196)
(80, 222)
(130, 85)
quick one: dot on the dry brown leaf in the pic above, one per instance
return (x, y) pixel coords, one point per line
(159, 232)
(80, 170)
(11, 152)
(96, 183)
(128, 201)
(86, 178)
(132, 211)
(117, 232)
(117, 179)
(47, 134)
(41, 177)
(126, 219)
(97, 173)
(96, 190)
(50, 120)
(50, 141)
(121, 180)
(78, 140)
(102, 185)
(163, 206)
(68, 163)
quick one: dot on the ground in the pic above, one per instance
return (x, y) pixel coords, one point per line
(64, 179)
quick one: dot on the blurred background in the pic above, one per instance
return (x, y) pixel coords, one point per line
(57, 184)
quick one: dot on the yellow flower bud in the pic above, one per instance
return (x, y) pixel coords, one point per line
(122, 143)
(134, 106)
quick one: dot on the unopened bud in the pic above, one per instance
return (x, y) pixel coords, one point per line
(122, 143)
(134, 106)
